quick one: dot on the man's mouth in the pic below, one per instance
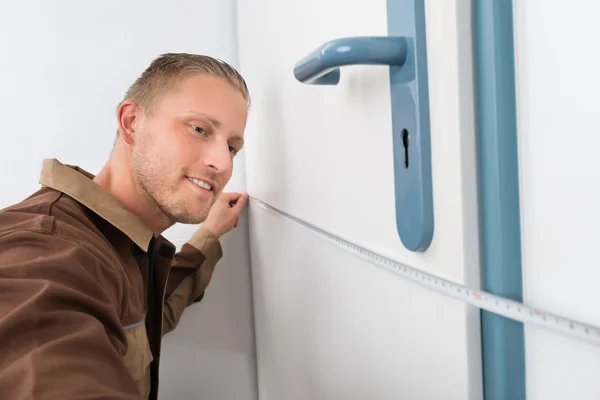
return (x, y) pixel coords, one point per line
(201, 183)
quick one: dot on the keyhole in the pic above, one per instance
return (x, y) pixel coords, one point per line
(405, 141)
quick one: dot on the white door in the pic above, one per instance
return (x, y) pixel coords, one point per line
(328, 325)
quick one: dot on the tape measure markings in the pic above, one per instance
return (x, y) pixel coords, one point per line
(496, 304)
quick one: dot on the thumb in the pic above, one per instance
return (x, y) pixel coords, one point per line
(228, 197)
(241, 203)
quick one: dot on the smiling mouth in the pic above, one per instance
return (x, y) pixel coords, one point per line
(200, 183)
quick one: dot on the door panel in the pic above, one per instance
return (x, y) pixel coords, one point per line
(328, 325)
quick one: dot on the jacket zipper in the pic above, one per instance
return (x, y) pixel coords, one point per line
(150, 282)
(162, 302)
(150, 294)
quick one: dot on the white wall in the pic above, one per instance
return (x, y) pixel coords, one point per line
(557, 64)
(330, 326)
(64, 66)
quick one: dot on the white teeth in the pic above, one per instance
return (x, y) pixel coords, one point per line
(200, 183)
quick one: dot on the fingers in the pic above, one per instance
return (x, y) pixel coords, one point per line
(234, 199)
(230, 196)
(240, 203)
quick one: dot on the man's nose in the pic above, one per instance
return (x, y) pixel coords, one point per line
(217, 156)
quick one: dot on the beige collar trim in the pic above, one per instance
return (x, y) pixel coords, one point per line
(78, 184)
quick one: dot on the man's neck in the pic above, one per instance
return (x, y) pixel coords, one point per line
(118, 180)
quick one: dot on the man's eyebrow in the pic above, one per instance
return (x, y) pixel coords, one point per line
(210, 119)
(239, 139)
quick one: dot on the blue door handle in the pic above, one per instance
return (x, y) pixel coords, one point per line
(404, 53)
(322, 66)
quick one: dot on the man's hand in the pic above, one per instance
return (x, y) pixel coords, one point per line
(224, 214)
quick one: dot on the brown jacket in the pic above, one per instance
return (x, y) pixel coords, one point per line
(87, 292)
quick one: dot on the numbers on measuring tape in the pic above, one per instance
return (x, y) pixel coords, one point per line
(481, 299)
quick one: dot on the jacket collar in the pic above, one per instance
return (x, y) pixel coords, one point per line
(78, 184)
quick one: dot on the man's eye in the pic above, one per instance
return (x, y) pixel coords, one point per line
(199, 130)
(232, 149)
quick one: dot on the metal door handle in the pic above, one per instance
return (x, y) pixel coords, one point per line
(322, 66)
(403, 51)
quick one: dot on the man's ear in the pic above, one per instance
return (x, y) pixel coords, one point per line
(128, 115)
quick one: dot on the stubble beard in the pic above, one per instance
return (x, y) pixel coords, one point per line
(158, 189)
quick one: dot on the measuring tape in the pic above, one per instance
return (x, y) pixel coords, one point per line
(480, 299)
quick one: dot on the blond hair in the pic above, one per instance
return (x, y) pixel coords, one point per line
(169, 69)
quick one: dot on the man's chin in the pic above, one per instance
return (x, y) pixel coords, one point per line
(192, 219)
(189, 217)
(187, 210)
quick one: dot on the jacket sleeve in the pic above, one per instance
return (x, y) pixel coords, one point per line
(191, 272)
(60, 334)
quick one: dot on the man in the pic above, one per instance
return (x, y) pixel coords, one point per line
(88, 286)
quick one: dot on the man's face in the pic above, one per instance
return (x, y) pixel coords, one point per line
(183, 152)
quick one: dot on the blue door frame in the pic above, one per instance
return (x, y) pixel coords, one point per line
(503, 345)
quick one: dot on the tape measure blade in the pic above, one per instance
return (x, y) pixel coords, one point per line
(498, 305)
